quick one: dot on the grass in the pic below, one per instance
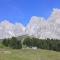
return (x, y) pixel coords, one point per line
(2, 46)
(28, 54)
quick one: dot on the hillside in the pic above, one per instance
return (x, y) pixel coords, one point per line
(37, 26)
(28, 54)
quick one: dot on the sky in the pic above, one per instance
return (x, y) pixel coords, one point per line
(22, 10)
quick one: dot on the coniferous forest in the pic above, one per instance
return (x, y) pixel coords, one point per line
(48, 44)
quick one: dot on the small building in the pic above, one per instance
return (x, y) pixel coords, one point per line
(34, 48)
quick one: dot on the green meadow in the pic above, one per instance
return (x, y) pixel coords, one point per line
(28, 54)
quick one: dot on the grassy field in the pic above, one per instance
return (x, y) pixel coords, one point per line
(28, 54)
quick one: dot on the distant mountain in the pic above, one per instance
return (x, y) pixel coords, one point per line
(7, 29)
(42, 28)
(19, 29)
(37, 27)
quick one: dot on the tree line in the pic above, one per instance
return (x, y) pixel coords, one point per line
(49, 44)
(12, 43)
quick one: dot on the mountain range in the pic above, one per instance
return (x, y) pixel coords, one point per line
(37, 27)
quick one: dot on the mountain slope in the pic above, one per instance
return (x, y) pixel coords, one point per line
(38, 27)
(42, 28)
(7, 29)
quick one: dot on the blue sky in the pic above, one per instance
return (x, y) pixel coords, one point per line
(22, 10)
